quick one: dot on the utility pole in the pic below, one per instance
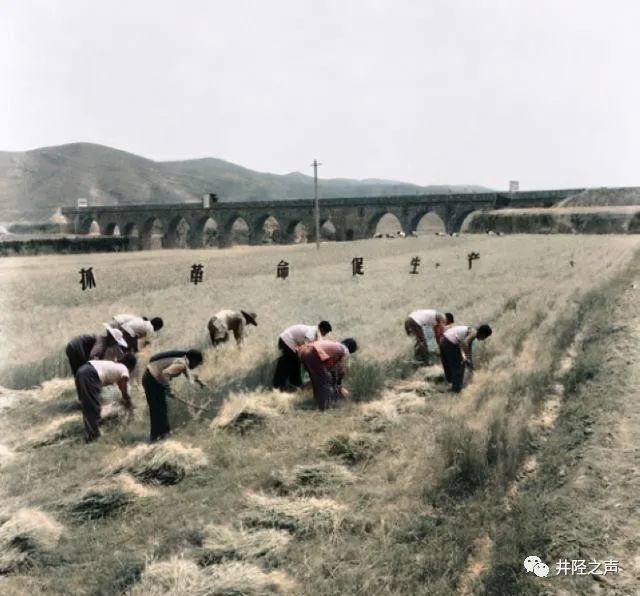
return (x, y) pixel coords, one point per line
(316, 205)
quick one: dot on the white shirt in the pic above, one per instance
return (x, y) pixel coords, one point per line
(457, 333)
(135, 326)
(298, 335)
(110, 372)
(425, 318)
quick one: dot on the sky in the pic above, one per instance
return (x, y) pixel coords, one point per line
(546, 92)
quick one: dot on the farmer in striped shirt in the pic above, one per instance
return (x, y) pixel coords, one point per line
(415, 325)
(455, 351)
(327, 363)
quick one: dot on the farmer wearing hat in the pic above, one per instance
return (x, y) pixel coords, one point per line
(327, 363)
(110, 346)
(91, 378)
(230, 320)
(137, 329)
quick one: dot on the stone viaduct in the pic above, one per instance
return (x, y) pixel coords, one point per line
(196, 225)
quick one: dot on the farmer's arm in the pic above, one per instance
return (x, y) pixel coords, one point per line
(124, 391)
(465, 345)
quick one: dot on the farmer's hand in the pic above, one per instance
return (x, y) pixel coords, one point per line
(344, 392)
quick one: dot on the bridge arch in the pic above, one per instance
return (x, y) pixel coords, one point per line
(235, 230)
(298, 231)
(427, 222)
(112, 229)
(152, 233)
(266, 229)
(460, 218)
(86, 224)
(204, 232)
(386, 220)
(634, 224)
(328, 230)
(177, 235)
(132, 232)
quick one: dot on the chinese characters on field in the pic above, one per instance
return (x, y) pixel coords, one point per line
(87, 279)
(196, 276)
(197, 273)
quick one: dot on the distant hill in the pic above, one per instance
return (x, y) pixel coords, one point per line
(33, 184)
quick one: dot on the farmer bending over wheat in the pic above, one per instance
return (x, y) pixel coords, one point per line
(455, 351)
(327, 363)
(415, 324)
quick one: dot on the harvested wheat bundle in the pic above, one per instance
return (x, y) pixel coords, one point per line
(300, 515)
(59, 429)
(354, 447)
(180, 577)
(310, 479)
(110, 497)
(167, 462)
(224, 542)
(24, 534)
(55, 388)
(244, 411)
(391, 405)
(175, 576)
(244, 579)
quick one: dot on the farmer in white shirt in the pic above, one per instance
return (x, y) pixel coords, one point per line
(415, 323)
(455, 351)
(288, 365)
(90, 379)
(137, 328)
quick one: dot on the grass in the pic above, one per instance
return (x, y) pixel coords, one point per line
(346, 488)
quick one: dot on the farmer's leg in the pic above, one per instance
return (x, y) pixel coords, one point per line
(281, 373)
(157, 401)
(88, 386)
(320, 378)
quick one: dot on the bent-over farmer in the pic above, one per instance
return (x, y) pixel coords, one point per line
(415, 323)
(288, 365)
(161, 369)
(230, 320)
(91, 378)
(455, 351)
(137, 329)
(327, 363)
(110, 346)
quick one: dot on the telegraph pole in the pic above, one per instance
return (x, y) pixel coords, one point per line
(316, 205)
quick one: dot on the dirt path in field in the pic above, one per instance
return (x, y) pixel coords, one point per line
(607, 481)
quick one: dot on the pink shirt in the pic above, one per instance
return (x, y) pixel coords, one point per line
(333, 354)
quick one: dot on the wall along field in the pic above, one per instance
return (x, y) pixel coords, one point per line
(391, 492)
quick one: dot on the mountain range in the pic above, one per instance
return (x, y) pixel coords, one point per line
(33, 184)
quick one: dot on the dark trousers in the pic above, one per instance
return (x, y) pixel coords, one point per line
(287, 368)
(452, 364)
(78, 350)
(321, 379)
(156, 394)
(88, 386)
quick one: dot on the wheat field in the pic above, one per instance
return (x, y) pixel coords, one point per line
(424, 470)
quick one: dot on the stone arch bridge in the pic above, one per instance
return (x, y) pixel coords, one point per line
(195, 225)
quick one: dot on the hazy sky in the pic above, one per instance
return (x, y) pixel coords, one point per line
(425, 91)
